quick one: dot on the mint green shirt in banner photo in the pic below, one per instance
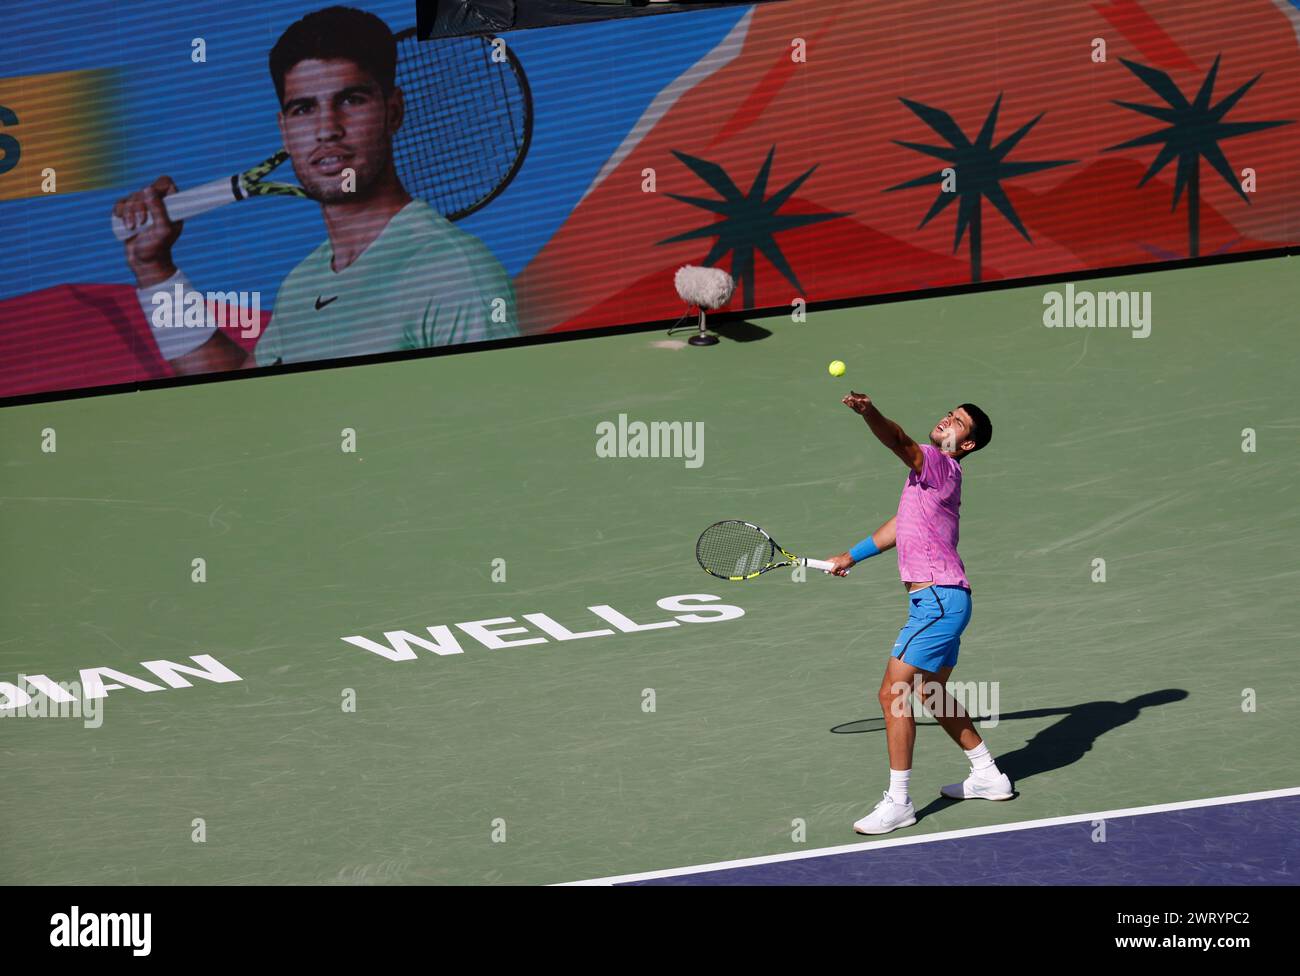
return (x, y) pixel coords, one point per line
(422, 282)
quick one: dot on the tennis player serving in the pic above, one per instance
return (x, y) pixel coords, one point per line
(392, 275)
(939, 604)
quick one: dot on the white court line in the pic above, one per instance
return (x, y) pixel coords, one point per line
(1213, 801)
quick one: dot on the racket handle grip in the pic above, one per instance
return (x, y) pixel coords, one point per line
(821, 564)
(187, 203)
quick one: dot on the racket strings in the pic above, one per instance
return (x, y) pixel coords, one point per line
(466, 123)
(734, 549)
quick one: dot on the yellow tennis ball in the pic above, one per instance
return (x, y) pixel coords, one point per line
(836, 368)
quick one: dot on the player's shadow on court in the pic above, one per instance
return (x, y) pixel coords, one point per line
(1059, 745)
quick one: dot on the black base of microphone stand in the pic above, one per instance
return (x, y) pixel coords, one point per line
(703, 338)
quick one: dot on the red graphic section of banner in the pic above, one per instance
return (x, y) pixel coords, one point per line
(839, 116)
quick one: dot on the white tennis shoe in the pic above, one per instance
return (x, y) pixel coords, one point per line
(887, 816)
(980, 786)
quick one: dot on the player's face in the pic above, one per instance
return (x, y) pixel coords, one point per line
(953, 432)
(335, 118)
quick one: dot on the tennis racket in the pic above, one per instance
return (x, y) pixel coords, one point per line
(736, 550)
(468, 124)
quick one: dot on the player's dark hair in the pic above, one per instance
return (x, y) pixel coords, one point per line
(337, 33)
(982, 428)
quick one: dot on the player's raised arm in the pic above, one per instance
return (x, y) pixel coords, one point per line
(148, 247)
(888, 432)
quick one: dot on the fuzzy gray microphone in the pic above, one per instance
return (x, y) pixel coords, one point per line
(706, 288)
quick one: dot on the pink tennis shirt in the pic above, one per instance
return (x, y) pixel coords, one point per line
(927, 522)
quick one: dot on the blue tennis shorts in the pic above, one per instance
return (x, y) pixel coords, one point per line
(931, 637)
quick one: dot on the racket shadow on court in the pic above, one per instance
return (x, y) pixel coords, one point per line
(1059, 745)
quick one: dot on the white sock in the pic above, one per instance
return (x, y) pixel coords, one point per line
(898, 785)
(981, 760)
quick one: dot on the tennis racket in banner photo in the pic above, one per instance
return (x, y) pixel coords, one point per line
(736, 550)
(468, 123)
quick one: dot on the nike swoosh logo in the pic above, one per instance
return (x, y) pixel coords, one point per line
(320, 304)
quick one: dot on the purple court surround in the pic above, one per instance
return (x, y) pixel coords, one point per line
(1255, 842)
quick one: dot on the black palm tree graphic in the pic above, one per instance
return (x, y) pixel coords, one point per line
(1195, 130)
(980, 166)
(750, 221)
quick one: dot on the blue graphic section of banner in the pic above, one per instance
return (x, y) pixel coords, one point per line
(197, 121)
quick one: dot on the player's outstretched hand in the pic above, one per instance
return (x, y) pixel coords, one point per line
(842, 563)
(857, 402)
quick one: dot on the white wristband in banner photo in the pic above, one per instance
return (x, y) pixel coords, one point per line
(165, 315)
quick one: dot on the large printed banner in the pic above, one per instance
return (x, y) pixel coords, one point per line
(188, 187)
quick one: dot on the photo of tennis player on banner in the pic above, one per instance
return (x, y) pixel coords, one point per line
(394, 273)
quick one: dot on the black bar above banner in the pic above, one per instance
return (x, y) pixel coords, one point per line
(454, 18)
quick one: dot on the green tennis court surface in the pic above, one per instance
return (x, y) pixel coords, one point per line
(540, 763)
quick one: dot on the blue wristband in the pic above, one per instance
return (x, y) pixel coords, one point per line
(864, 550)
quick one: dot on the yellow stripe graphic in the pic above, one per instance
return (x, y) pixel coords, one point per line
(66, 122)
